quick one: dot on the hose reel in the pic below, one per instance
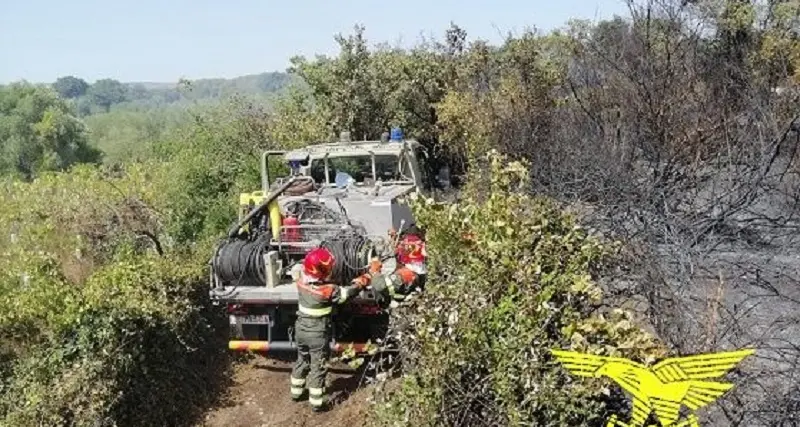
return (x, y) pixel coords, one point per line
(241, 263)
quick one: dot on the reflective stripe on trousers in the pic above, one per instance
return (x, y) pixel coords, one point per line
(298, 385)
(316, 396)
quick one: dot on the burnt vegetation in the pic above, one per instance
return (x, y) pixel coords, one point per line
(684, 147)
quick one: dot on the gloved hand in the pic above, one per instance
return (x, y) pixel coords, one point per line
(406, 276)
(375, 265)
(362, 281)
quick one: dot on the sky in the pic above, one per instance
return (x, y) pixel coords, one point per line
(165, 40)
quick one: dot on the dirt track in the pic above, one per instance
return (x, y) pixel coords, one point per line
(259, 396)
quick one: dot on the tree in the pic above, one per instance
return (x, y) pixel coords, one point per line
(70, 87)
(348, 87)
(138, 91)
(107, 92)
(39, 132)
(367, 91)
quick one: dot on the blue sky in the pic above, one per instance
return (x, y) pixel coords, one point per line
(164, 40)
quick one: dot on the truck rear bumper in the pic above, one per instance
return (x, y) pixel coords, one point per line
(277, 346)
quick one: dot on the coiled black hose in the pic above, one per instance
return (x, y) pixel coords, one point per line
(241, 262)
(352, 252)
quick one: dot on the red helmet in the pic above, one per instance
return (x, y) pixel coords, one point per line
(318, 264)
(411, 250)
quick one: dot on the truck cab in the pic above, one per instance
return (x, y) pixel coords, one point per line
(366, 180)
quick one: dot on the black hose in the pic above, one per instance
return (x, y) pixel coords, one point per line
(352, 252)
(241, 262)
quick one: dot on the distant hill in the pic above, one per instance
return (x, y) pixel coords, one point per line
(107, 94)
(154, 85)
(214, 87)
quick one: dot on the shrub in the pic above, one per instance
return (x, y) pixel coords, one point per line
(98, 323)
(134, 336)
(511, 277)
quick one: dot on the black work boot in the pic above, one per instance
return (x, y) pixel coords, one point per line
(301, 397)
(320, 408)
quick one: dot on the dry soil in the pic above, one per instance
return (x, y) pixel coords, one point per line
(259, 396)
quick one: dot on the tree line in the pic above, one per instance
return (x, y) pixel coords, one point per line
(51, 127)
(101, 95)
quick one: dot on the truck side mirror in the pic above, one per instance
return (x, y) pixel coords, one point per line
(424, 162)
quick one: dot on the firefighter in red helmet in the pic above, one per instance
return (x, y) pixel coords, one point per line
(412, 269)
(411, 254)
(408, 277)
(316, 297)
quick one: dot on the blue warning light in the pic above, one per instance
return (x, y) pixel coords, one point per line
(396, 134)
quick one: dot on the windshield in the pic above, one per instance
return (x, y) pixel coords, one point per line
(359, 167)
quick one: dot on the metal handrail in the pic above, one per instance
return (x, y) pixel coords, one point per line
(265, 168)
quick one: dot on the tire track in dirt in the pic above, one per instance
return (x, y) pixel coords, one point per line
(259, 396)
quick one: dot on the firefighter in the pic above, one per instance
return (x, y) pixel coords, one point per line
(316, 297)
(411, 256)
(409, 277)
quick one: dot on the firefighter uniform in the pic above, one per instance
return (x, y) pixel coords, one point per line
(396, 287)
(410, 276)
(316, 299)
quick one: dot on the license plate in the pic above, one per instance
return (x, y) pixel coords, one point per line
(259, 319)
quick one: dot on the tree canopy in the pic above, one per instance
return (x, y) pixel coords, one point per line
(39, 132)
(70, 87)
(107, 92)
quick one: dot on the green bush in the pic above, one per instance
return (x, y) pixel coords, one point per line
(100, 319)
(134, 336)
(511, 277)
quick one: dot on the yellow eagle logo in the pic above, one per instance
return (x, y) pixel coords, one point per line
(662, 388)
